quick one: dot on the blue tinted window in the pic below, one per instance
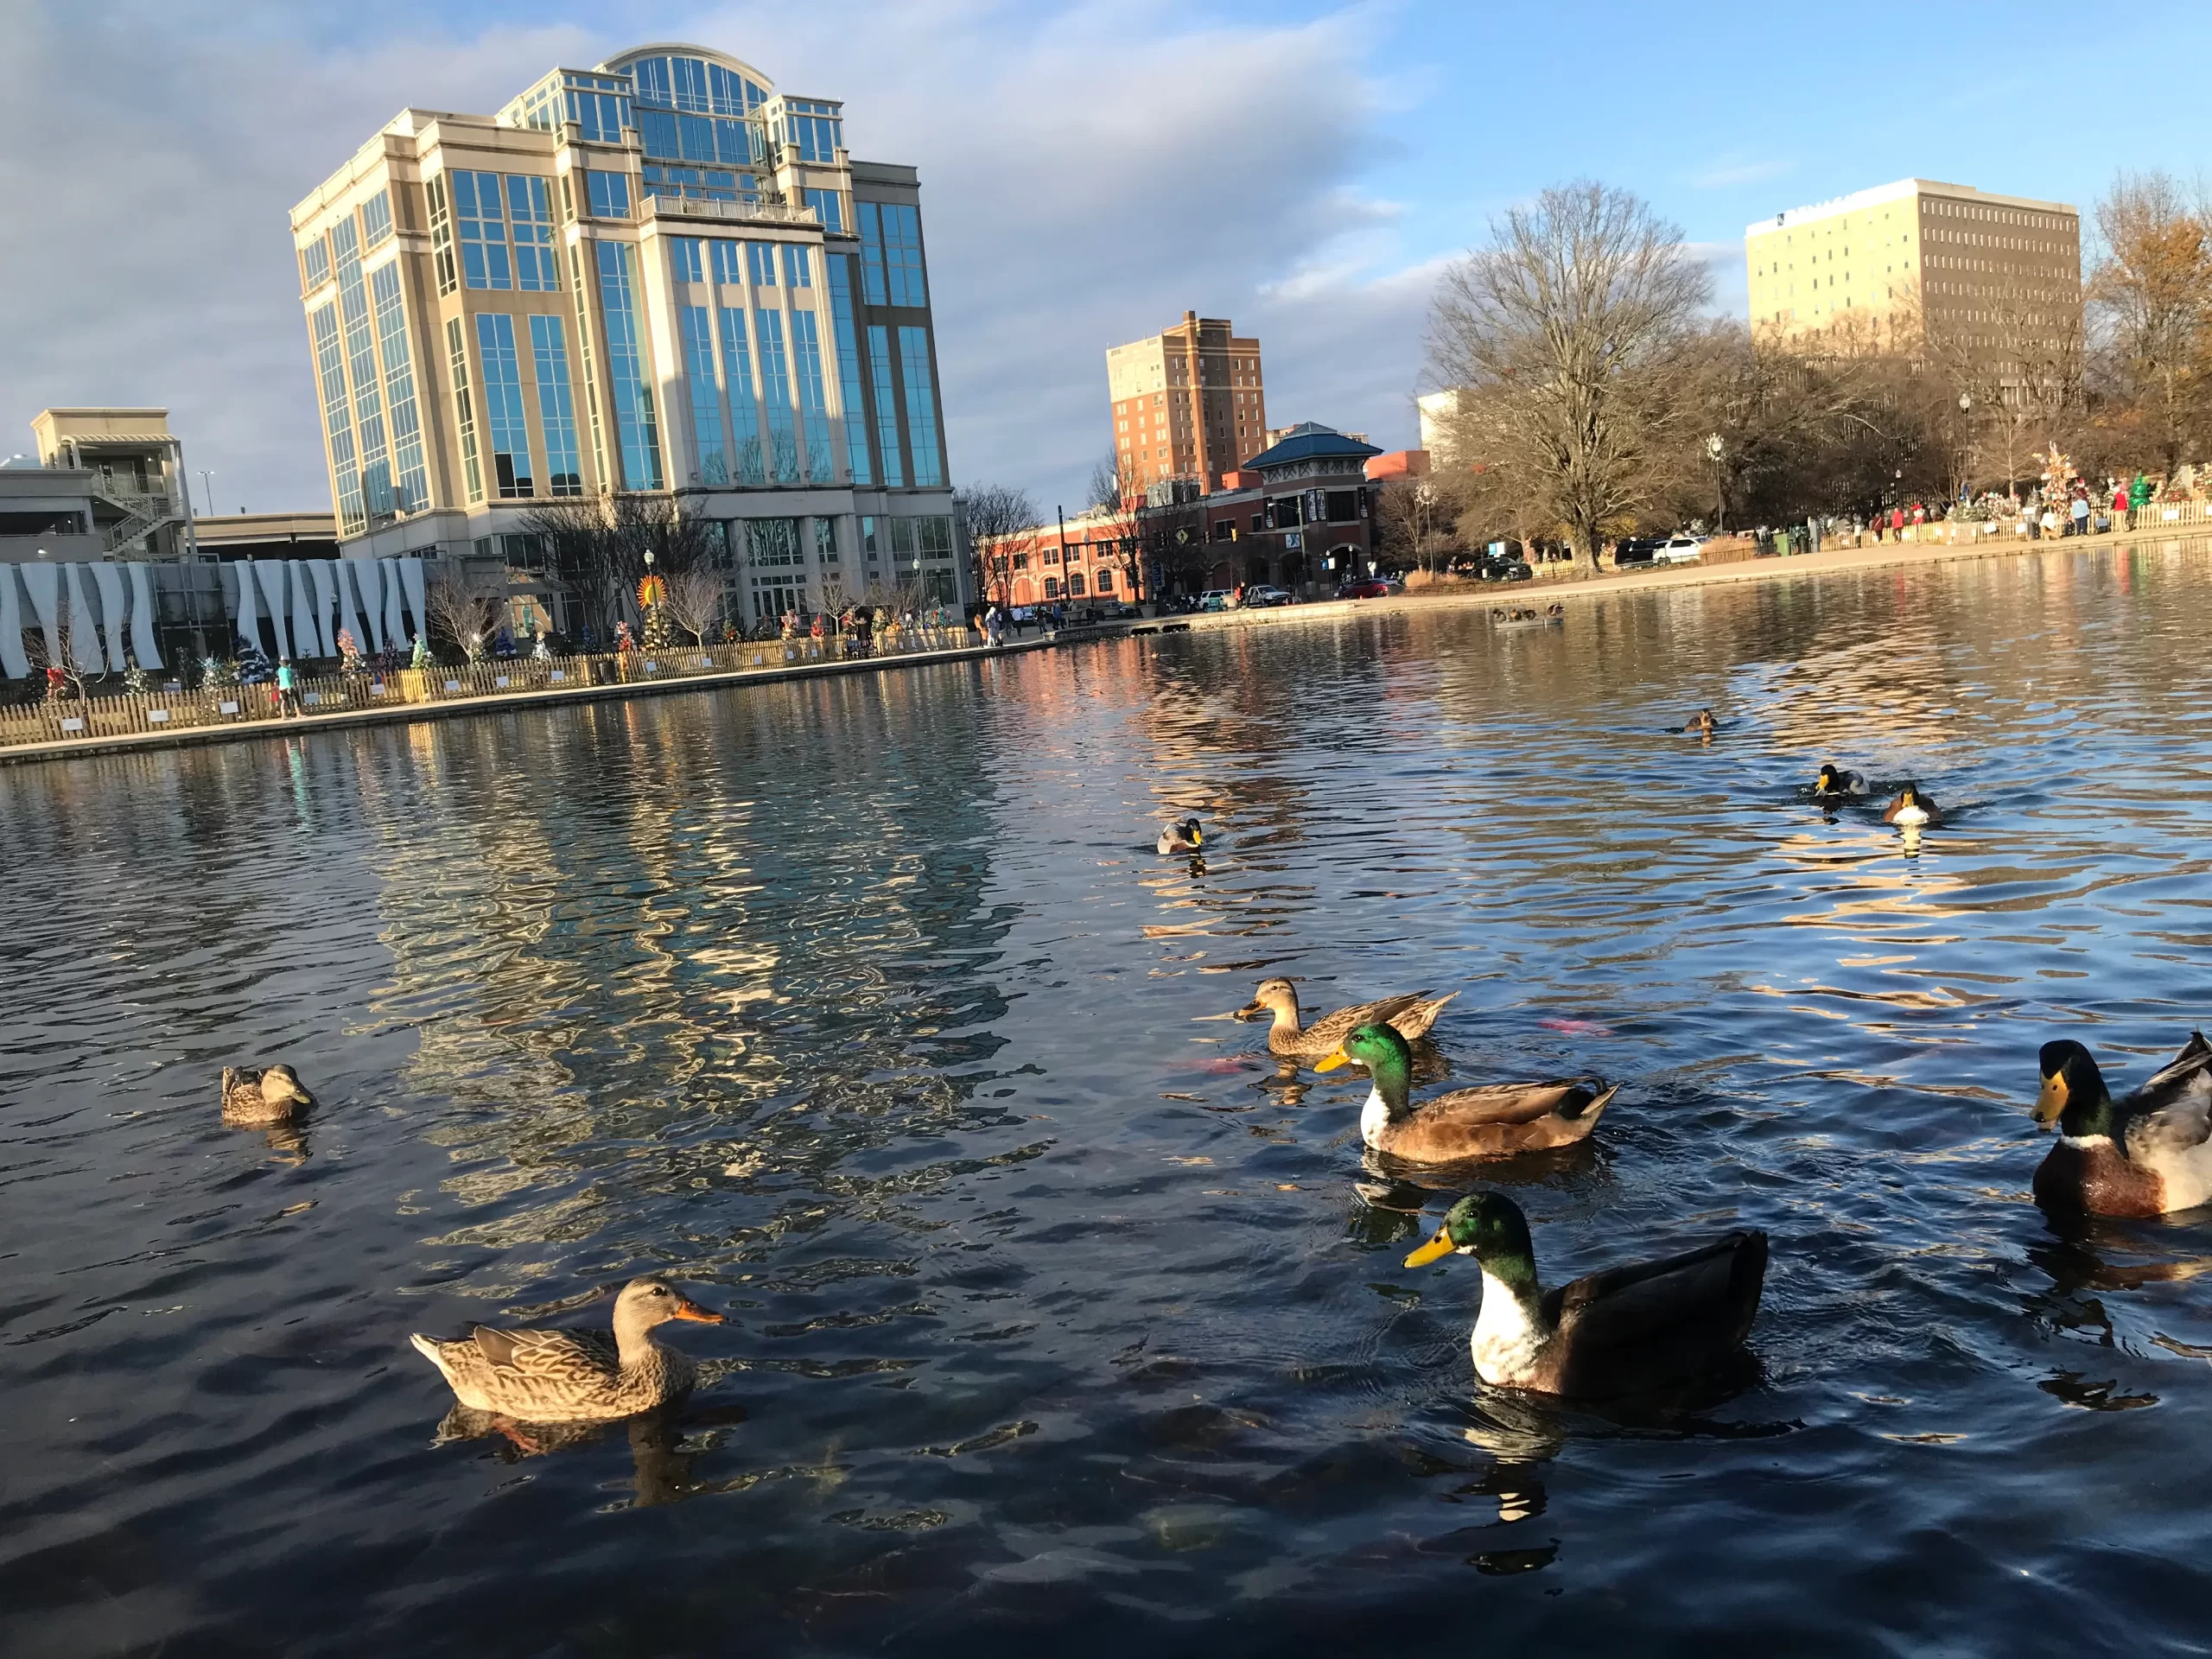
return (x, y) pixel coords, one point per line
(608, 194)
(872, 253)
(366, 384)
(337, 415)
(727, 269)
(902, 254)
(921, 406)
(376, 218)
(761, 255)
(735, 145)
(706, 396)
(529, 213)
(849, 367)
(776, 393)
(650, 76)
(495, 350)
(798, 267)
(411, 491)
(556, 410)
(657, 131)
(886, 406)
(814, 408)
(314, 264)
(695, 136)
(684, 260)
(744, 404)
(483, 231)
(636, 428)
(829, 207)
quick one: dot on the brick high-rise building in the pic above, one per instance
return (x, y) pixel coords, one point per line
(1188, 403)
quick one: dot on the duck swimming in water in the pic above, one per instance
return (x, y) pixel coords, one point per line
(1833, 783)
(1701, 723)
(564, 1376)
(1410, 1016)
(267, 1095)
(1912, 810)
(1624, 1331)
(1184, 837)
(1495, 1121)
(2146, 1155)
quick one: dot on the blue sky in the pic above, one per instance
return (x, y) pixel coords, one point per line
(1089, 171)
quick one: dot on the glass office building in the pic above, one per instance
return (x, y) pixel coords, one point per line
(658, 276)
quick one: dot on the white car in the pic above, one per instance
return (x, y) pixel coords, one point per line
(1678, 550)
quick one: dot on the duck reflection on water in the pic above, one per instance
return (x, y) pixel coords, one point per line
(661, 1456)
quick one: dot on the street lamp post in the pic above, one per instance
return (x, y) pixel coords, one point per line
(1714, 449)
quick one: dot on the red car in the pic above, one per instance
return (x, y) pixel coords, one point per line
(1366, 587)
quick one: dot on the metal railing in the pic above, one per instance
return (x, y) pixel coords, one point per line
(102, 713)
(761, 213)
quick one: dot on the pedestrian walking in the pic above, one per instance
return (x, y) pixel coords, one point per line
(2080, 512)
(2120, 507)
(287, 693)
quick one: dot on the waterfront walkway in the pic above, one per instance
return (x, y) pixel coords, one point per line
(502, 702)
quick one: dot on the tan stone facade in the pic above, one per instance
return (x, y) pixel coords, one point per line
(1888, 265)
(1189, 403)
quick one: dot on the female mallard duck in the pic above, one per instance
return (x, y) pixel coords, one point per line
(1184, 837)
(1620, 1332)
(565, 1377)
(1834, 782)
(270, 1096)
(1412, 1015)
(1493, 1121)
(1912, 810)
(1701, 723)
(2144, 1155)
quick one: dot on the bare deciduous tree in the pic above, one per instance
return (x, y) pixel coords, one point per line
(1561, 335)
(694, 598)
(1114, 506)
(2150, 294)
(460, 614)
(1001, 523)
(597, 546)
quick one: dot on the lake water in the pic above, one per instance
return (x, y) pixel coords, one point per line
(1060, 1315)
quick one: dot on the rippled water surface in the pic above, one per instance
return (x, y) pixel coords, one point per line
(1060, 1315)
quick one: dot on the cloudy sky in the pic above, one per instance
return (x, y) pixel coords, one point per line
(1089, 171)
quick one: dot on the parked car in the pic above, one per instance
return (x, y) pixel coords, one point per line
(1636, 549)
(1363, 587)
(1678, 550)
(1217, 599)
(1266, 593)
(1504, 567)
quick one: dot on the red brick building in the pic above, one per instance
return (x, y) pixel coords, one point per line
(1189, 403)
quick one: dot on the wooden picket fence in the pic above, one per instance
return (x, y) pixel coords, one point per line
(104, 714)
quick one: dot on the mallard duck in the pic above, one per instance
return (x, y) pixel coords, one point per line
(1834, 781)
(1184, 837)
(1412, 1015)
(1493, 1121)
(1701, 723)
(565, 1377)
(1912, 810)
(1620, 1332)
(2144, 1155)
(268, 1096)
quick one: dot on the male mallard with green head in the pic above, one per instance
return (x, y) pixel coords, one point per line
(2145, 1155)
(562, 1376)
(1912, 810)
(1835, 784)
(268, 1096)
(1624, 1331)
(1184, 837)
(1495, 1121)
(1411, 1014)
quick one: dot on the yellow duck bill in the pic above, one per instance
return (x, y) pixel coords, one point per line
(1435, 1250)
(2051, 1101)
(1333, 1061)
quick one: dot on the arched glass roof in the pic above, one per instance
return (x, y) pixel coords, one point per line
(692, 80)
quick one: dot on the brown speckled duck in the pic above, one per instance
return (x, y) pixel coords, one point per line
(1411, 1015)
(562, 1376)
(269, 1095)
(1495, 1120)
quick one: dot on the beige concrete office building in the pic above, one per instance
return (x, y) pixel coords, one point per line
(658, 274)
(1189, 402)
(1984, 271)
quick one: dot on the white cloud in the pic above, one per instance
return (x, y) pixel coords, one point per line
(1089, 172)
